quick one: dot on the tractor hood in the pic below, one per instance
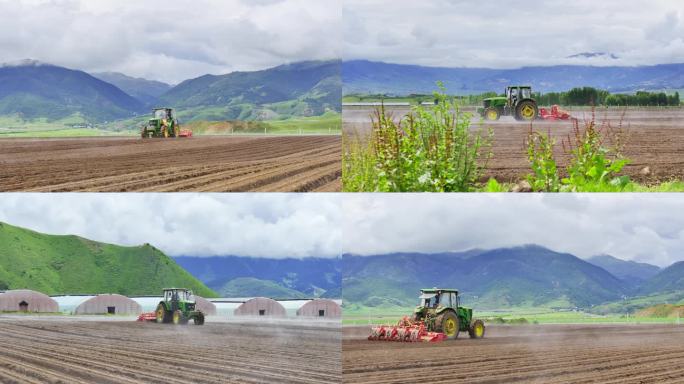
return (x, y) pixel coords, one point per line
(495, 98)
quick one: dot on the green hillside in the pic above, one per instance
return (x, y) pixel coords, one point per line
(527, 276)
(668, 280)
(249, 286)
(309, 88)
(72, 265)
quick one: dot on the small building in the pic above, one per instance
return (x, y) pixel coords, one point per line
(320, 308)
(206, 306)
(24, 300)
(261, 306)
(112, 304)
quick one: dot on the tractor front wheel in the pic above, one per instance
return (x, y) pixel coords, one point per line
(526, 110)
(476, 330)
(199, 319)
(492, 114)
(162, 315)
(177, 317)
(449, 325)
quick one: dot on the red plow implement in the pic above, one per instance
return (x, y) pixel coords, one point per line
(149, 316)
(405, 331)
(556, 113)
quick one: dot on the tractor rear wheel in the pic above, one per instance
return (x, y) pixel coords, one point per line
(162, 315)
(526, 110)
(492, 114)
(476, 330)
(165, 132)
(199, 319)
(448, 323)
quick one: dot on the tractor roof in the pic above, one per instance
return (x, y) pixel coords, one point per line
(176, 289)
(435, 290)
(162, 109)
(519, 86)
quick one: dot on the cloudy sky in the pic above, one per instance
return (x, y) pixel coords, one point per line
(641, 227)
(259, 225)
(509, 34)
(169, 40)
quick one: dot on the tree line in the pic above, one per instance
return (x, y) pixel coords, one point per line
(586, 96)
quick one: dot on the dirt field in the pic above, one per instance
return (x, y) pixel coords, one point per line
(68, 351)
(655, 139)
(213, 164)
(524, 354)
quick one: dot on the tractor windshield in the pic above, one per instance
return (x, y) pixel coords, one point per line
(160, 114)
(526, 93)
(429, 300)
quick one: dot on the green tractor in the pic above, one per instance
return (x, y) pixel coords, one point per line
(441, 311)
(518, 103)
(178, 307)
(162, 124)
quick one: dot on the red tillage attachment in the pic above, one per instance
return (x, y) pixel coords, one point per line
(406, 331)
(185, 133)
(149, 316)
(554, 114)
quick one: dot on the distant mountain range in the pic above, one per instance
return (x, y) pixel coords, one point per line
(146, 91)
(32, 90)
(302, 89)
(526, 276)
(367, 77)
(233, 276)
(74, 265)
(631, 273)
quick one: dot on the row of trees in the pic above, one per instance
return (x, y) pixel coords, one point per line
(592, 96)
(584, 96)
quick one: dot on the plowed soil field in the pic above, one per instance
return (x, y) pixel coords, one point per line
(204, 164)
(654, 139)
(68, 351)
(523, 354)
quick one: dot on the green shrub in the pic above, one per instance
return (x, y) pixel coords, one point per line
(430, 150)
(543, 163)
(596, 159)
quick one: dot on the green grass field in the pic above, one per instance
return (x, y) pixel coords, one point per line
(367, 316)
(329, 123)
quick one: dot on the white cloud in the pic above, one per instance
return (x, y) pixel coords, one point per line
(169, 40)
(505, 34)
(641, 227)
(258, 225)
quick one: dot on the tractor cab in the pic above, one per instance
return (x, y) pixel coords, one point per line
(433, 298)
(163, 114)
(178, 294)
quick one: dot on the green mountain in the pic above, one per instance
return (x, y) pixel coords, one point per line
(284, 277)
(146, 91)
(74, 265)
(669, 279)
(499, 278)
(32, 90)
(249, 286)
(630, 272)
(302, 89)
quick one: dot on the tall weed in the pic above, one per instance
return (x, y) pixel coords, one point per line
(432, 149)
